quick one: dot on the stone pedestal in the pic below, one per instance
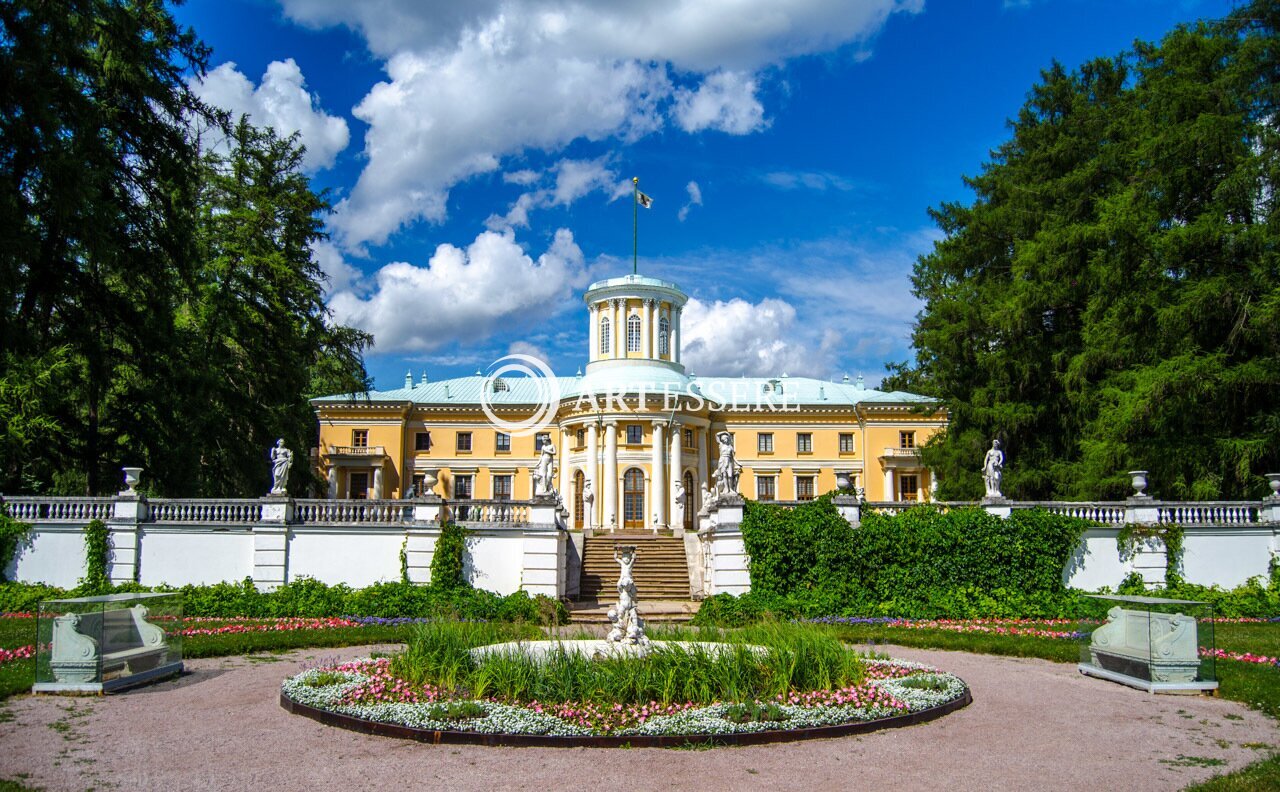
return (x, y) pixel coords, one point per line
(128, 512)
(998, 507)
(850, 509)
(428, 509)
(277, 509)
(271, 543)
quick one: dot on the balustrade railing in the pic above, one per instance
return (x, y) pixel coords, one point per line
(888, 507)
(902, 453)
(490, 511)
(357, 451)
(1223, 513)
(352, 511)
(1106, 513)
(59, 509)
(175, 510)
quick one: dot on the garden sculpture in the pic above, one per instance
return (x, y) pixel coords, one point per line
(544, 473)
(991, 469)
(628, 627)
(727, 469)
(281, 461)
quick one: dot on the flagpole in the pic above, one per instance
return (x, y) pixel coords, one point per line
(635, 224)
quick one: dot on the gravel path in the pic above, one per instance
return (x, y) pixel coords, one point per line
(1032, 725)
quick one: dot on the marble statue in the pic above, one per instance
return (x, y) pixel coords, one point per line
(588, 502)
(707, 496)
(628, 627)
(281, 461)
(678, 504)
(727, 469)
(544, 472)
(992, 466)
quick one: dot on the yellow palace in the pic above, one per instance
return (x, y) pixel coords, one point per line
(633, 441)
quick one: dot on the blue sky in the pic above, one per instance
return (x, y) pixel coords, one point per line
(479, 158)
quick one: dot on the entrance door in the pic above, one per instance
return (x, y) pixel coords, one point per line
(578, 479)
(633, 499)
(689, 498)
(908, 486)
(358, 485)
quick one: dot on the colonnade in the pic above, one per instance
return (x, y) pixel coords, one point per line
(651, 314)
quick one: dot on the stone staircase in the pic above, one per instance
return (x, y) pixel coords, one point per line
(661, 572)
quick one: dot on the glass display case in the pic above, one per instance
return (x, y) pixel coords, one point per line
(1157, 645)
(100, 644)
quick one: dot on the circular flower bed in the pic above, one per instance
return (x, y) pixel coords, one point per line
(366, 695)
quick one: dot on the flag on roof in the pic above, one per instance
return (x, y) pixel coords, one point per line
(643, 200)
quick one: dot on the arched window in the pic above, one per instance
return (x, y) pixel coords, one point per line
(606, 343)
(633, 498)
(499, 384)
(633, 333)
(578, 483)
(689, 505)
(664, 336)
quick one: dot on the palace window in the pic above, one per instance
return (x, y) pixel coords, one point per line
(462, 488)
(502, 443)
(804, 488)
(358, 485)
(689, 440)
(502, 488)
(635, 434)
(764, 442)
(804, 442)
(908, 486)
(541, 439)
(772, 386)
(422, 441)
(633, 333)
(846, 442)
(664, 336)
(766, 488)
(582, 437)
(464, 441)
(906, 439)
(606, 342)
(360, 438)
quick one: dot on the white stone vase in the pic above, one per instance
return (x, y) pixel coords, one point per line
(428, 482)
(1139, 483)
(842, 482)
(1274, 480)
(132, 475)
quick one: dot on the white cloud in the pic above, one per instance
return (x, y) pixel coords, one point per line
(340, 275)
(575, 179)
(695, 199)
(527, 348)
(808, 180)
(464, 296)
(726, 101)
(280, 101)
(522, 177)
(737, 337)
(469, 84)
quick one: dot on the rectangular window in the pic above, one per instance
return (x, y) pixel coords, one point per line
(541, 439)
(689, 440)
(422, 441)
(635, 434)
(908, 486)
(502, 488)
(464, 441)
(764, 442)
(846, 442)
(765, 488)
(804, 442)
(358, 486)
(502, 443)
(804, 488)
(582, 437)
(906, 439)
(360, 438)
(462, 488)
(419, 484)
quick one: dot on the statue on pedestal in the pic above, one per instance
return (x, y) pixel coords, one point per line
(727, 469)
(628, 627)
(281, 461)
(588, 505)
(678, 504)
(544, 472)
(992, 468)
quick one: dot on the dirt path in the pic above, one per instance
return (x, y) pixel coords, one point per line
(1032, 725)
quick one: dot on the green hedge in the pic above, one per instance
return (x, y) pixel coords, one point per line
(305, 597)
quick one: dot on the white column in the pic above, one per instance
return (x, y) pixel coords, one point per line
(704, 443)
(593, 333)
(646, 329)
(333, 481)
(658, 475)
(377, 483)
(593, 467)
(619, 329)
(675, 334)
(610, 494)
(675, 470)
(655, 314)
(889, 494)
(562, 452)
(933, 485)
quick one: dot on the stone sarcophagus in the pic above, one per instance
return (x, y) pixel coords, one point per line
(98, 644)
(1150, 643)
(1157, 647)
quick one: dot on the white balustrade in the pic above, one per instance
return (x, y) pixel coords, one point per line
(490, 512)
(353, 511)
(174, 510)
(1105, 513)
(1208, 513)
(59, 509)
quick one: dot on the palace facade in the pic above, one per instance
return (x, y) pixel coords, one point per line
(634, 437)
